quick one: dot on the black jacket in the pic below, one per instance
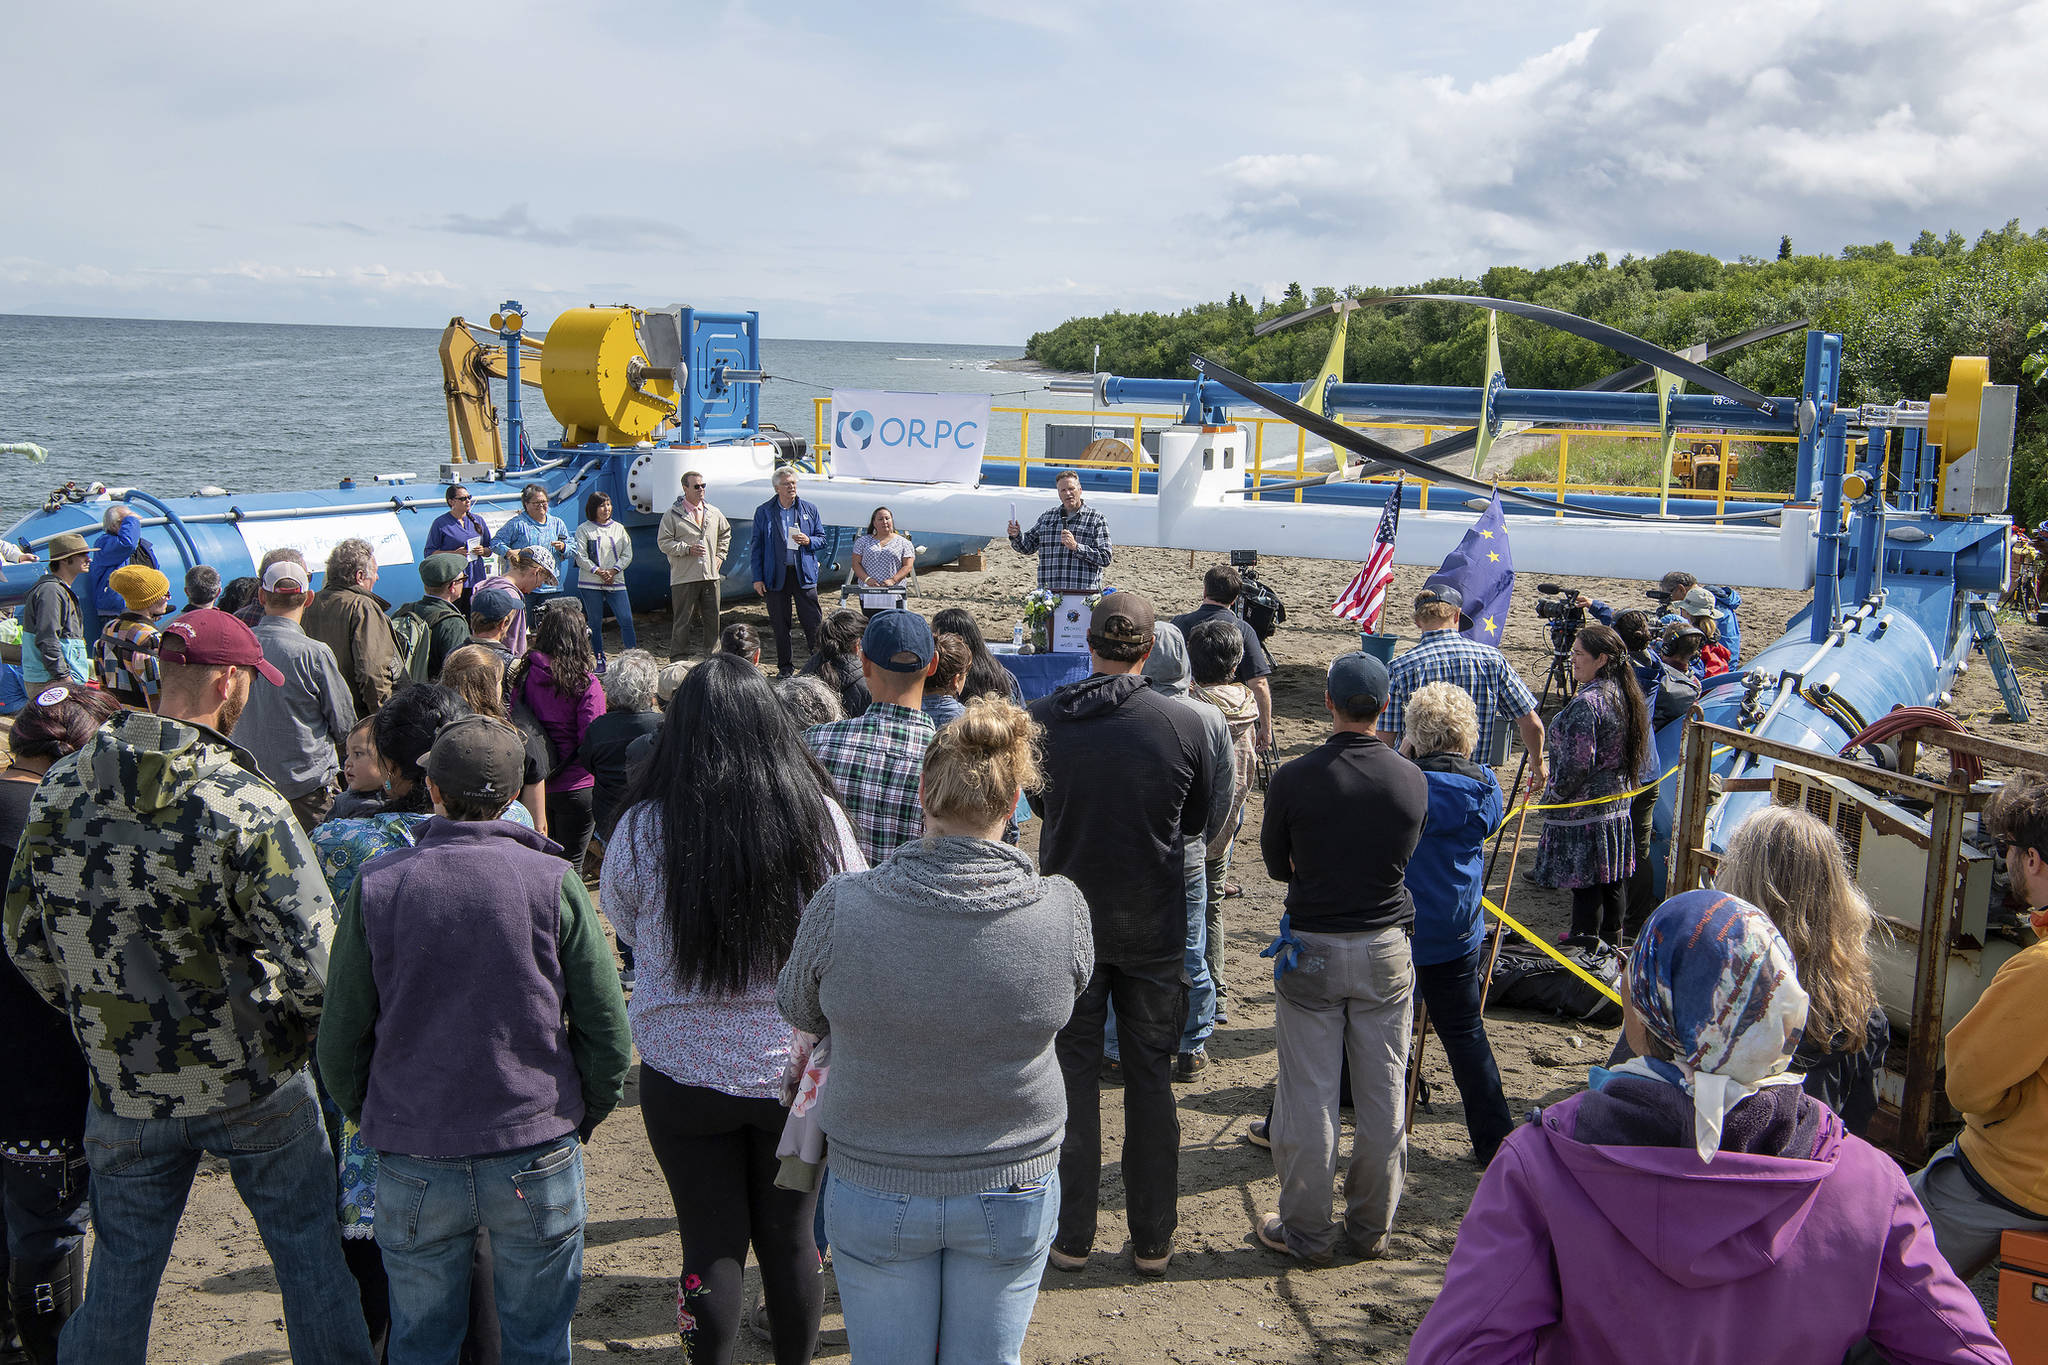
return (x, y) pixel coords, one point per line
(1341, 822)
(46, 1092)
(1127, 780)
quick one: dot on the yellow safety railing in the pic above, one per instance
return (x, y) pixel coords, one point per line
(1286, 469)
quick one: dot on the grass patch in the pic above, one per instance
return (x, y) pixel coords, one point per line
(1639, 463)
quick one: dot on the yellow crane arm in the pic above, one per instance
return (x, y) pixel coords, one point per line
(467, 367)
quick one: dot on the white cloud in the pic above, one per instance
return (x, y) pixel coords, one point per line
(978, 169)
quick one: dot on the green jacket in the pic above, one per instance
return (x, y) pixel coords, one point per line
(447, 631)
(165, 899)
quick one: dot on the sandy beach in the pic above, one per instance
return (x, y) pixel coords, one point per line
(1225, 1297)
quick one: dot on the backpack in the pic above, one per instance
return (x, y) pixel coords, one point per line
(1525, 977)
(144, 556)
(413, 635)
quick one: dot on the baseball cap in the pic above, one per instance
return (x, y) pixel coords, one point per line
(1354, 677)
(210, 636)
(438, 571)
(898, 640)
(530, 558)
(494, 604)
(478, 759)
(1122, 618)
(286, 577)
(69, 544)
(139, 585)
(1446, 594)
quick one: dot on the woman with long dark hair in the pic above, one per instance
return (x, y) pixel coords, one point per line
(728, 830)
(837, 661)
(1596, 745)
(555, 682)
(985, 677)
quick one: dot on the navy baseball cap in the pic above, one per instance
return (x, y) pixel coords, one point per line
(494, 604)
(1433, 593)
(900, 641)
(1354, 677)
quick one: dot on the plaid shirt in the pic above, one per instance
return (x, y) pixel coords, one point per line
(1061, 569)
(877, 759)
(1446, 656)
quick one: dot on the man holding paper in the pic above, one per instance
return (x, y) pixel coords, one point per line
(787, 530)
(1071, 541)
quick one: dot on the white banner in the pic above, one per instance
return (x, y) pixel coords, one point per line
(316, 536)
(909, 437)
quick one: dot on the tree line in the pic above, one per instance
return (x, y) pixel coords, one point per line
(1902, 316)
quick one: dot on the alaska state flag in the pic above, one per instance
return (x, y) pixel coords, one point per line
(1483, 572)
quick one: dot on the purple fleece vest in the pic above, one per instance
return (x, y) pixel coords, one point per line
(472, 1055)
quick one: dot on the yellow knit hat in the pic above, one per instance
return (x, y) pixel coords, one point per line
(139, 585)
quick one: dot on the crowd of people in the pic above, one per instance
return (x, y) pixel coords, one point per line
(302, 885)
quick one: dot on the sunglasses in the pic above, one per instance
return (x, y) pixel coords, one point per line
(460, 497)
(694, 486)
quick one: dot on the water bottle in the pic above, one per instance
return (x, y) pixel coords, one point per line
(1017, 635)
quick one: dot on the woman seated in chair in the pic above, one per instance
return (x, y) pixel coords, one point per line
(882, 560)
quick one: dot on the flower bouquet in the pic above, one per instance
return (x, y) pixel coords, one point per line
(1039, 605)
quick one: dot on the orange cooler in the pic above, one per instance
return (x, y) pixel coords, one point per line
(2023, 1296)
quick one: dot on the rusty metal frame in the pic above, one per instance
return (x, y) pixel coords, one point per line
(1949, 803)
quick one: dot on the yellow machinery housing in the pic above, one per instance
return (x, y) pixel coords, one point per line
(597, 381)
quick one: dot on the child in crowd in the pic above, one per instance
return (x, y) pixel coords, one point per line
(362, 781)
(478, 1129)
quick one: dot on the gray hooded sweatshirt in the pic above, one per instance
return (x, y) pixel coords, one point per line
(1168, 670)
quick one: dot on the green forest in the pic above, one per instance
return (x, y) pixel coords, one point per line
(1902, 315)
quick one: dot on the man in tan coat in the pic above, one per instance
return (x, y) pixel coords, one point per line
(354, 622)
(696, 537)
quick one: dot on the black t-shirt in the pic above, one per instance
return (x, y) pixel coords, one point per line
(43, 1091)
(1255, 664)
(1341, 823)
(607, 752)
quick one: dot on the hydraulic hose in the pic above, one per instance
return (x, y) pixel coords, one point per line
(1907, 718)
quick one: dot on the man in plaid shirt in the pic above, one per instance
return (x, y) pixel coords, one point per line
(1443, 655)
(877, 759)
(1071, 542)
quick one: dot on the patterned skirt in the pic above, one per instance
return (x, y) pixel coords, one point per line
(1586, 846)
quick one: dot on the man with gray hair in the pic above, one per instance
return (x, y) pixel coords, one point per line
(808, 701)
(121, 534)
(355, 623)
(787, 530)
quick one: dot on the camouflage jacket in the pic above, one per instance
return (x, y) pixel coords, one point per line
(165, 899)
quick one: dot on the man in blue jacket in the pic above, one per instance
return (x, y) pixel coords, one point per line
(122, 532)
(787, 532)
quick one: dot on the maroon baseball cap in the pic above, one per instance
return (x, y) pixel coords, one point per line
(208, 637)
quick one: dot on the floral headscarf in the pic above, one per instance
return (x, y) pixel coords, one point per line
(1712, 979)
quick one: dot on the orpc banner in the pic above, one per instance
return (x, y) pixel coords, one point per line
(910, 437)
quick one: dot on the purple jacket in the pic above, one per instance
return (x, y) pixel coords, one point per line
(1590, 1254)
(566, 719)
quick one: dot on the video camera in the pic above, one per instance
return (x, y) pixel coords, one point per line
(1658, 595)
(1560, 606)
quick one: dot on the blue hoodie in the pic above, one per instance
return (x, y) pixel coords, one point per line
(1447, 872)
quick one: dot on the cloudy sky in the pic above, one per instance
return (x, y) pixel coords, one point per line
(969, 170)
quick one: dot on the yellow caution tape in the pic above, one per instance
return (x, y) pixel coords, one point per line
(1574, 968)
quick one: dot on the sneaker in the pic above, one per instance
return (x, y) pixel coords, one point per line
(1066, 1261)
(600, 663)
(1272, 1234)
(626, 979)
(1151, 1266)
(1257, 1135)
(1186, 1064)
(1112, 1072)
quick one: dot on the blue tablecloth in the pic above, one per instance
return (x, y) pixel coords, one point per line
(1040, 674)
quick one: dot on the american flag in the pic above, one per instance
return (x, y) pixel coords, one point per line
(1367, 595)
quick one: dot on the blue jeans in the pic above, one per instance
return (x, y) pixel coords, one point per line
(277, 1152)
(595, 602)
(952, 1276)
(1201, 986)
(428, 1212)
